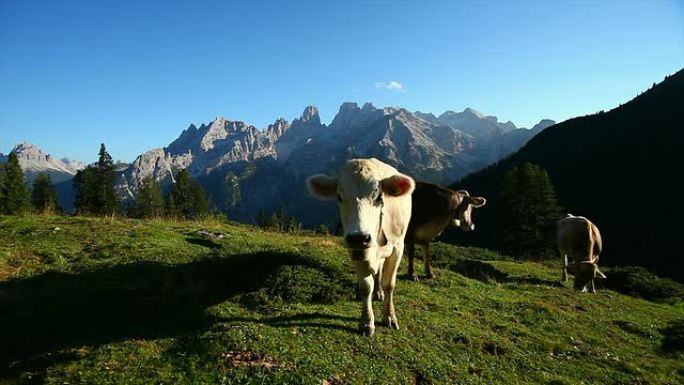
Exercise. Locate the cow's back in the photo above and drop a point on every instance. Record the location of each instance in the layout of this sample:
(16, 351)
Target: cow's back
(575, 238)
(431, 212)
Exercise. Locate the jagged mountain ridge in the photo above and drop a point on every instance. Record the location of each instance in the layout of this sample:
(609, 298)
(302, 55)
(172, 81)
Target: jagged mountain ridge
(34, 161)
(245, 169)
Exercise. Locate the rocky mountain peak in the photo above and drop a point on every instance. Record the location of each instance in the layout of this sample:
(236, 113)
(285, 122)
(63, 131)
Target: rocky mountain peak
(543, 124)
(350, 115)
(348, 106)
(34, 161)
(191, 128)
(278, 127)
(368, 107)
(508, 126)
(428, 117)
(218, 124)
(474, 112)
(310, 115)
(216, 131)
(28, 151)
(74, 164)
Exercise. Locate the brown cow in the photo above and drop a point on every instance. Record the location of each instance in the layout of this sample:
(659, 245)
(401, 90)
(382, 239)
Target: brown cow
(434, 208)
(580, 239)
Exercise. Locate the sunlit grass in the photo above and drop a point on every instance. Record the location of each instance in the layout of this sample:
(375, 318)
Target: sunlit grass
(87, 300)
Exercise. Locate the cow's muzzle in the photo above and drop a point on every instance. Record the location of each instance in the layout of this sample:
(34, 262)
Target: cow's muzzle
(358, 254)
(358, 240)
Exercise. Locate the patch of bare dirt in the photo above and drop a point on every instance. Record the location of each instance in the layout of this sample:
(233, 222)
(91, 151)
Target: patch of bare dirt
(238, 359)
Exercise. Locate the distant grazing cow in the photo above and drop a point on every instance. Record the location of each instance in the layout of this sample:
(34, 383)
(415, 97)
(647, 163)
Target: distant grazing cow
(434, 208)
(374, 200)
(581, 240)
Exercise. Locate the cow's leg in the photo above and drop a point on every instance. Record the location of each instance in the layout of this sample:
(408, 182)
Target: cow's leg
(367, 324)
(377, 289)
(411, 251)
(389, 281)
(592, 288)
(426, 261)
(564, 270)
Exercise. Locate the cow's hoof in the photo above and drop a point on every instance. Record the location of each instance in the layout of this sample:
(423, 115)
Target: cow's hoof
(368, 330)
(430, 275)
(413, 277)
(392, 323)
(379, 295)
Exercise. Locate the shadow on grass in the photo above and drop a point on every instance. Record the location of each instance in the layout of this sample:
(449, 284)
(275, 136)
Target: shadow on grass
(486, 272)
(146, 300)
(673, 338)
(314, 319)
(203, 242)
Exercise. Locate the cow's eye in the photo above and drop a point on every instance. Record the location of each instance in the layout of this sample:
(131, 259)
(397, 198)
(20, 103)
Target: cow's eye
(378, 200)
(339, 198)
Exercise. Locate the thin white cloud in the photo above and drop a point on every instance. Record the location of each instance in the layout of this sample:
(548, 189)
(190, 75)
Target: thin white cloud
(392, 85)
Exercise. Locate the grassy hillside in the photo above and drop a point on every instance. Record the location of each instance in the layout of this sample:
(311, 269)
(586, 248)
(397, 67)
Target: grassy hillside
(87, 300)
(616, 168)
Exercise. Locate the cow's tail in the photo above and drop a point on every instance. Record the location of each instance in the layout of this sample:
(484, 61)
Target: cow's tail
(597, 242)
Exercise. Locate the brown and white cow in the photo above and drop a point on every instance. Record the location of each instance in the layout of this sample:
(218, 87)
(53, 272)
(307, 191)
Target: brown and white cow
(434, 208)
(374, 201)
(580, 240)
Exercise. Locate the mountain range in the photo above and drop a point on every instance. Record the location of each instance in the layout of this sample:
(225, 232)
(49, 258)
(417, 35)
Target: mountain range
(245, 170)
(34, 161)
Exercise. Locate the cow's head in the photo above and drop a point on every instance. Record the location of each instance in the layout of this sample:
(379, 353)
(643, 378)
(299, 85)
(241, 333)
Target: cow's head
(463, 214)
(585, 272)
(361, 199)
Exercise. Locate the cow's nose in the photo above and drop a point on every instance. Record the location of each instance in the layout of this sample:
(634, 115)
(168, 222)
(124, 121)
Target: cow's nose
(358, 240)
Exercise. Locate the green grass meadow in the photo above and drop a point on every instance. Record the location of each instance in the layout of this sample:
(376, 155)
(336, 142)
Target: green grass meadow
(124, 301)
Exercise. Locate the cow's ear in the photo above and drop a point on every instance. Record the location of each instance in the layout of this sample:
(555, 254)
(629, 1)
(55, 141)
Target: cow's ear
(397, 185)
(322, 186)
(463, 192)
(477, 201)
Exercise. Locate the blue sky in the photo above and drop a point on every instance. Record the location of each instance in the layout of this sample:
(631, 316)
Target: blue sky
(134, 74)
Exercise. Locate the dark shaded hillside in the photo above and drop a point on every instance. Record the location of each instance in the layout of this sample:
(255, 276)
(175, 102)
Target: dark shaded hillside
(620, 168)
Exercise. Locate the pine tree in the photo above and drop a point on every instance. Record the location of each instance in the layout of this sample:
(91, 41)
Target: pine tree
(274, 222)
(282, 221)
(2, 183)
(180, 195)
(187, 198)
(15, 195)
(43, 195)
(106, 200)
(94, 187)
(527, 212)
(170, 208)
(261, 219)
(85, 186)
(149, 202)
(201, 206)
(322, 229)
(293, 225)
